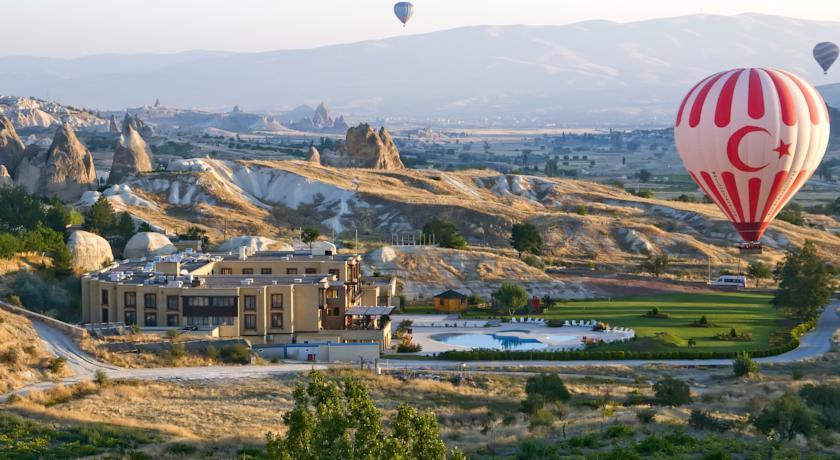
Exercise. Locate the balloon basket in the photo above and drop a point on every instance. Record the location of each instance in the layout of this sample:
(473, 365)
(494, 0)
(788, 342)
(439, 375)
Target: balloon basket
(747, 249)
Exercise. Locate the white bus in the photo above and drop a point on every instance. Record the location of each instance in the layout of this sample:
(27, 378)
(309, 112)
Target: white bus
(731, 280)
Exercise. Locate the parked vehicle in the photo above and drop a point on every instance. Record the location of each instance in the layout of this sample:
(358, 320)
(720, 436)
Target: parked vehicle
(731, 280)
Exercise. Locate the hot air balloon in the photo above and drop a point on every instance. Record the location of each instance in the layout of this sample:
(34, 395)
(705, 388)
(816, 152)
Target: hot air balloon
(404, 11)
(751, 138)
(826, 53)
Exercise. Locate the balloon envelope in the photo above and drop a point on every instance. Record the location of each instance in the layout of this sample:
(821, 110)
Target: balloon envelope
(751, 138)
(826, 53)
(404, 11)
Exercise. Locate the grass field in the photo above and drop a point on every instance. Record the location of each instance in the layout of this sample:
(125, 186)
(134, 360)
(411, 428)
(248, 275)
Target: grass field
(747, 313)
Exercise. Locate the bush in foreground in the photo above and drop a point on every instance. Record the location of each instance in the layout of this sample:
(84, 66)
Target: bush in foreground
(743, 365)
(672, 392)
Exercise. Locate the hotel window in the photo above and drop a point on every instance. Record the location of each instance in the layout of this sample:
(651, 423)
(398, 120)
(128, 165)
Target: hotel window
(227, 271)
(277, 301)
(130, 318)
(310, 271)
(172, 320)
(150, 301)
(250, 302)
(333, 311)
(150, 320)
(334, 272)
(332, 293)
(247, 271)
(265, 271)
(198, 301)
(251, 322)
(172, 302)
(105, 297)
(130, 299)
(291, 271)
(224, 301)
(277, 320)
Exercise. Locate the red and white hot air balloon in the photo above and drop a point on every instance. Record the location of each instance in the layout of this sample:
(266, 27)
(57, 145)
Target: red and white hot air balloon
(751, 138)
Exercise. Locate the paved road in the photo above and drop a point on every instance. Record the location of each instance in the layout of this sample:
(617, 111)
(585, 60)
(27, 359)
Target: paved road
(812, 345)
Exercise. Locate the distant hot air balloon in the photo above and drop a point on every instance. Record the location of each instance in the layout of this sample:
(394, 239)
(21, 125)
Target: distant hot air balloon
(826, 53)
(751, 138)
(404, 11)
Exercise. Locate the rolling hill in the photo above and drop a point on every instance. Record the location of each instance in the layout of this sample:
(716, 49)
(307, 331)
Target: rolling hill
(588, 73)
(274, 198)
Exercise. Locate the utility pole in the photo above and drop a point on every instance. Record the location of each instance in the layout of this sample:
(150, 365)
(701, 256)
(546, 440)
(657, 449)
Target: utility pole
(710, 269)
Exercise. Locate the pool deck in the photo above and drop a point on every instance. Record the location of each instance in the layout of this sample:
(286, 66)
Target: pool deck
(555, 338)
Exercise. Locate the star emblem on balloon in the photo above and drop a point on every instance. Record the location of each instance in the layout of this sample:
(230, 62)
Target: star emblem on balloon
(783, 149)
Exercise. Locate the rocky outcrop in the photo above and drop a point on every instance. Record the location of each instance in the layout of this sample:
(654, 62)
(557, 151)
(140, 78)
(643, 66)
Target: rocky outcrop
(314, 155)
(112, 125)
(148, 244)
(131, 156)
(64, 171)
(363, 147)
(321, 120)
(255, 243)
(90, 251)
(139, 125)
(11, 147)
(5, 178)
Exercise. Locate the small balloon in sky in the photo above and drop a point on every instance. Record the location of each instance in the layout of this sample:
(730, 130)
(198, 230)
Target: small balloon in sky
(404, 11)
(826, 53)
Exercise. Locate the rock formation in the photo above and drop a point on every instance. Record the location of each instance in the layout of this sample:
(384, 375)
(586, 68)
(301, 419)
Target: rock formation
(148, 244)
(5, 178)
(314, 155)
(321, 120)
(112, 125)
(65, 170)
(90, 251)
(256, 243)
(363, 147)
(11, 147)
(139, 125)
(131, 156)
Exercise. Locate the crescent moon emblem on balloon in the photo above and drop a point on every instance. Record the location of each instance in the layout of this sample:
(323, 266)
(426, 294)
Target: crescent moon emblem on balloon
(733, 148)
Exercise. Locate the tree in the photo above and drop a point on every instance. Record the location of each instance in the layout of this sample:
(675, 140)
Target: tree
(526, 237)
(194, 233)
(645, 175)
(655, 264)
(100, 217)
(787, 417)
(62, 260)
(309, 235)
(329, 420)
(510, 297)
(58, 217)
(19, 210)
(444, 233)
(543, 389)
(792, 214)
(759, 271)
(672, 392)
(806, 282)
(144, 227)
(124, 227)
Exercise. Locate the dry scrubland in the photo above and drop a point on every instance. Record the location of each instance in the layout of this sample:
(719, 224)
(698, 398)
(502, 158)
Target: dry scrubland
(23, 358)
(216, 418)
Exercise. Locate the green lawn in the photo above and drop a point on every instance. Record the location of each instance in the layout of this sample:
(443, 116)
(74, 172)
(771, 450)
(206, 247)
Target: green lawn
(419, 310)
(744, 311)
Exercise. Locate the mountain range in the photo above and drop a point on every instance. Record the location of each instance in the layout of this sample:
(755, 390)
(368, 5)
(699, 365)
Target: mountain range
(588, 73)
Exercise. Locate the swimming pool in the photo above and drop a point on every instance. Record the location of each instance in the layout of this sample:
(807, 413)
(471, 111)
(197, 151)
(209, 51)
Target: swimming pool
(490, 341)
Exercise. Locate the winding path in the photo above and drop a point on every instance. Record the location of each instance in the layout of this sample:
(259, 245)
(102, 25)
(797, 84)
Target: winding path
(812, 345)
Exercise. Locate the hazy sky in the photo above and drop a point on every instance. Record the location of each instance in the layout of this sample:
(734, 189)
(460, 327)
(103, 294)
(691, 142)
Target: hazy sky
(70, 28)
